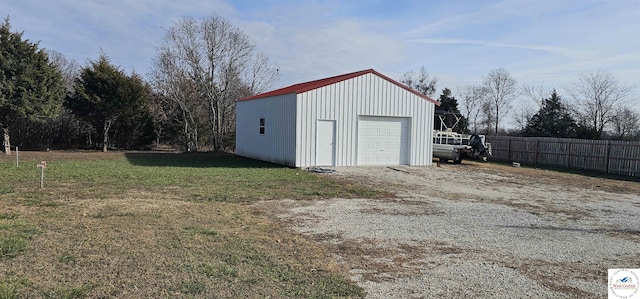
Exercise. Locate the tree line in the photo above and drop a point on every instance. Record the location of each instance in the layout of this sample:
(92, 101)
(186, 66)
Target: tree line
(202, 66)
(596, 106)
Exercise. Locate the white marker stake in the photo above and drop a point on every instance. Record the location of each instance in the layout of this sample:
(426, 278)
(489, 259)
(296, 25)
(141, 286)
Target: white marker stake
(42, 166)
(17, 156)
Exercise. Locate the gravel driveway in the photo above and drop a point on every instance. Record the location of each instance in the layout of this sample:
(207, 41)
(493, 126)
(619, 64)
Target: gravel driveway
(476, 231)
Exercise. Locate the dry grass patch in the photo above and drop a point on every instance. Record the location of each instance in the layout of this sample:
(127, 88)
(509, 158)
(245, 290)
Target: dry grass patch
(377, 260)
(557, 276)
(146, 247)
(154, 229)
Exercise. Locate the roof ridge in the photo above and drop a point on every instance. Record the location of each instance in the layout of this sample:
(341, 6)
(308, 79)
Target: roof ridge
(354, 74)
(310, 85)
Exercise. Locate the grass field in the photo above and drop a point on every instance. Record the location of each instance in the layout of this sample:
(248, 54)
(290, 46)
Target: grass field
(159, 225)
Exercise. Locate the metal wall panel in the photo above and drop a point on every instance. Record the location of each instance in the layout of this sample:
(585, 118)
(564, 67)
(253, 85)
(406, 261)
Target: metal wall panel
(278, 143)
(366, 95)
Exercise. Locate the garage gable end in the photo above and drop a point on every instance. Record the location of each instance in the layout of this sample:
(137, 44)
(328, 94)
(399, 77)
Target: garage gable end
(376, 122)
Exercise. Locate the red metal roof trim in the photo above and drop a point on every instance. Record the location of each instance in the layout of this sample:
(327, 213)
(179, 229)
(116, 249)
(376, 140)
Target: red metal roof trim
(303, 87)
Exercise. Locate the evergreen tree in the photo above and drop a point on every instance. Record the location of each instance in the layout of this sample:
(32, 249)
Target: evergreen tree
(31, 87)
(104, 95)
(449, 110)
(552, 120)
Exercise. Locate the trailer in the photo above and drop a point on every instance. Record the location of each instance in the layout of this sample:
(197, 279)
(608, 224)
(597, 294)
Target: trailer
(448, 152)
(452, 146)
(449, 145)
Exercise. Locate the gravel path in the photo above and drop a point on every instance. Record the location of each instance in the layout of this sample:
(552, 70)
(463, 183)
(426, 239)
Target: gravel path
(477, 231)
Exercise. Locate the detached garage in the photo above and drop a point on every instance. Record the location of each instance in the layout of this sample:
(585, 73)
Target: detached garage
(361, 118)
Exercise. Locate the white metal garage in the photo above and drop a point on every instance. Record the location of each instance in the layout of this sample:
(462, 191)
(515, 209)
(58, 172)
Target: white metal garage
(383, 140)
(361, 118)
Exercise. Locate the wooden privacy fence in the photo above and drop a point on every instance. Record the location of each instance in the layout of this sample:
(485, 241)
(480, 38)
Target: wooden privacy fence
(617, 157)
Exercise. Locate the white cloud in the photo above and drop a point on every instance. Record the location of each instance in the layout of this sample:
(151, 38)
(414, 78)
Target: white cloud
(338, 48)
(573, 53)
(127, 31)
(309, 42)
(459, 41)
(475, 15)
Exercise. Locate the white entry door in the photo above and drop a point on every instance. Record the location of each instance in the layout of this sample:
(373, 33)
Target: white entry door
(383, 140)
(326, 143)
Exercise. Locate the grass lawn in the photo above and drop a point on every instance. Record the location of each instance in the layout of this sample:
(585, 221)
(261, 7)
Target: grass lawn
(159, 225)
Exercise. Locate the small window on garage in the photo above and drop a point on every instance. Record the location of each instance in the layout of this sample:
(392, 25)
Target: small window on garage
(262, 126)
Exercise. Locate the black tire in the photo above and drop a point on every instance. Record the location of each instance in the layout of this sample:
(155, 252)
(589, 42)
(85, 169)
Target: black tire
(457, 161)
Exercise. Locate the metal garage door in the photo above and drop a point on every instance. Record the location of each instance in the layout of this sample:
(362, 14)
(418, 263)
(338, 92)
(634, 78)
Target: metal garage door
(383, 140)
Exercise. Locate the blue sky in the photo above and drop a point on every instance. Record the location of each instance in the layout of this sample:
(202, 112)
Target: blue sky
(537, 41)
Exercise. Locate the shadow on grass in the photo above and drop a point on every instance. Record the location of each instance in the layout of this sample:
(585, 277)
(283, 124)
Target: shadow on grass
(197, 160)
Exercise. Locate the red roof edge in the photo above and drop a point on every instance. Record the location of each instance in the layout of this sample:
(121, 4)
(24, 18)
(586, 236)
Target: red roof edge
(306, 86)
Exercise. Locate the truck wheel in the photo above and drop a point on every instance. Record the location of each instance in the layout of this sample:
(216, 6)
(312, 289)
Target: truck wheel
(457, 161)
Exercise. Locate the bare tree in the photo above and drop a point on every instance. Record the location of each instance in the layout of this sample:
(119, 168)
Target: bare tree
(487, 117)
(501, 90)
(625, 122)
(421, 81)
(472, 97)
(598, 94)
(536, 93)
(70, 69)
(162, 110)
(533, 97)
(173, 84)
(523, 113)
(210, 63)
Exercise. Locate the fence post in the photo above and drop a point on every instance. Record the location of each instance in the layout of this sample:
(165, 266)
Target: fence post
(569, 154)
(535, 153)
(606, 156)
(508, 149)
